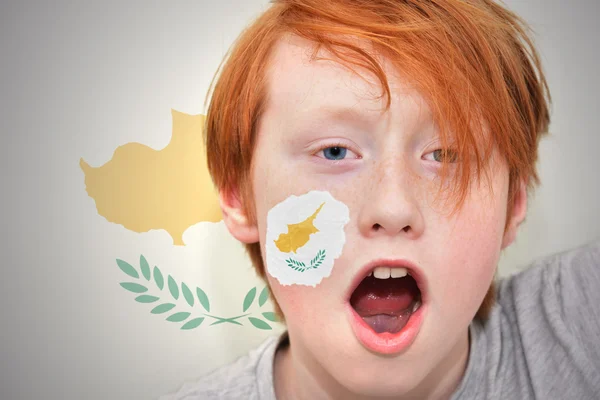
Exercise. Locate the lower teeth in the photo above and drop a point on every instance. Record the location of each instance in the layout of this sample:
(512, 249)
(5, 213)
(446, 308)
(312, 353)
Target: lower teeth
(416, 306)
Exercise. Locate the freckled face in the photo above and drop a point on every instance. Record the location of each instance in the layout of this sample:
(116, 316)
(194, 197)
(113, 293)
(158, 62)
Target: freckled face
(324, 129)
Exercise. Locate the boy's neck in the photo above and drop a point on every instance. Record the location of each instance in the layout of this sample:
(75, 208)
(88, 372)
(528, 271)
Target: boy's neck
(294, 379)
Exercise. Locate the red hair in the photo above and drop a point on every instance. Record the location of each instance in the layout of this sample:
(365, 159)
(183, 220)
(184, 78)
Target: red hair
(472, 61)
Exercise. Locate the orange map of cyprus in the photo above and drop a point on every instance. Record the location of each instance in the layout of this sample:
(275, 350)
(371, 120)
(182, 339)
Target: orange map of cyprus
(298, 234)
(171, 189)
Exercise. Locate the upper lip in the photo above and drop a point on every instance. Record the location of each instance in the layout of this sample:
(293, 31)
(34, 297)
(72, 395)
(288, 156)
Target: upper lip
(410, 266)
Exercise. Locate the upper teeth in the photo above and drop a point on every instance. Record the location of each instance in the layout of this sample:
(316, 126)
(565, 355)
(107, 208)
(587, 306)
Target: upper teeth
(387, 272)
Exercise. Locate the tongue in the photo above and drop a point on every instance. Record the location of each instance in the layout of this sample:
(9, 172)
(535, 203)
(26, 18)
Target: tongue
(385, 304)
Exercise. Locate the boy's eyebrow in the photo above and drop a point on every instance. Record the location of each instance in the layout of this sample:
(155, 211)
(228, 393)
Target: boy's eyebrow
(346, 114)
(342, 112)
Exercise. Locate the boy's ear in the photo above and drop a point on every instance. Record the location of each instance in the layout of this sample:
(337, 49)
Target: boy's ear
(517, 211)
(236, 220)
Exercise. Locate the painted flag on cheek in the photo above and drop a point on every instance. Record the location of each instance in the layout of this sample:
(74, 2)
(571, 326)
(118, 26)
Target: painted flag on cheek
(305, 234)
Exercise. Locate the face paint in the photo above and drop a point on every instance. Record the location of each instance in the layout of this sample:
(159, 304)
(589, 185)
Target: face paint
(305, 234)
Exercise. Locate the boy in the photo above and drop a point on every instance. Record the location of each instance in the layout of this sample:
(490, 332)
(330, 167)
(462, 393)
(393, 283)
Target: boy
(413, 126)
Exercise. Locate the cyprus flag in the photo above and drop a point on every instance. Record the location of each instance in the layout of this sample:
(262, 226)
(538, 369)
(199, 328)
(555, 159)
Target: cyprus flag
(305, 234)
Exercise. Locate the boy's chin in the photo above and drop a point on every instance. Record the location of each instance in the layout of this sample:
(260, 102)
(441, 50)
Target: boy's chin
(374, 378)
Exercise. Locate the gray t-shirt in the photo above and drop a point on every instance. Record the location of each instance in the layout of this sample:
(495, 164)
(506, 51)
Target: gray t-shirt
(542, 341)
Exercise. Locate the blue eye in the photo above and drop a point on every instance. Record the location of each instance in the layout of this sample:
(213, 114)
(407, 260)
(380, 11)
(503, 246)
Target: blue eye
(335, 153)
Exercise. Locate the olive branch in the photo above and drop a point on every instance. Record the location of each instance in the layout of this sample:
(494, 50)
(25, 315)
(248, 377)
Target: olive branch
(299, 266)
(169, 305)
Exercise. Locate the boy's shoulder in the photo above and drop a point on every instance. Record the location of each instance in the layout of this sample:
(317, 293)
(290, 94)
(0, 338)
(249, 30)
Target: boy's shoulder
(569, 274)
(562, 287)
(248, 377)
(541, 340)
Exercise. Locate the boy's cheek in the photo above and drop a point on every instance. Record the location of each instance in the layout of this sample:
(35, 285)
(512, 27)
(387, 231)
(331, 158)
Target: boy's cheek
(298, 303)
(275, 179)
(304, 236)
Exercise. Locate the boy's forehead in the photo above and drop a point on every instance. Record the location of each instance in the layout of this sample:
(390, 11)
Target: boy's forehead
(299, 80)
(304, 89)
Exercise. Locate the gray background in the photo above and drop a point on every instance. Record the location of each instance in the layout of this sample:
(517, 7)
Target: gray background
(78, 79)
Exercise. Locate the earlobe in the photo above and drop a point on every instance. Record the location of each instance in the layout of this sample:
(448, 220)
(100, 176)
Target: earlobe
(237, 221)
(518, 211)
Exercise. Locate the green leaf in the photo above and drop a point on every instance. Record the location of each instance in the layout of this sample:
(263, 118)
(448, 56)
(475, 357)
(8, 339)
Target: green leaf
(178, 317)
(264, 296)
(271, 316)
(318, 260)
(189, 297)
(259, 323)
(158, 278)
(203, 299)
(163, 308)
(314, 260)
(134, 287)
(173, 288)
(127, 268)
(249, 298)
(146, 299)
(145, 267)
(194, 323)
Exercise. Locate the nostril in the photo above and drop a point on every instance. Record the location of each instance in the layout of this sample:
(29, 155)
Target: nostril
(376, 227)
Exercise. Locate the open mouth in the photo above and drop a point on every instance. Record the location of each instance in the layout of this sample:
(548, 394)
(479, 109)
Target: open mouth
(386, 299)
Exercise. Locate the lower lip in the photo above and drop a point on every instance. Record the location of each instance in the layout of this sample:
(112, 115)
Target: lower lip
(386, 343)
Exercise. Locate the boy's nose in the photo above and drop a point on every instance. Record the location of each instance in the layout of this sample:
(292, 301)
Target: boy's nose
(391, 206)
